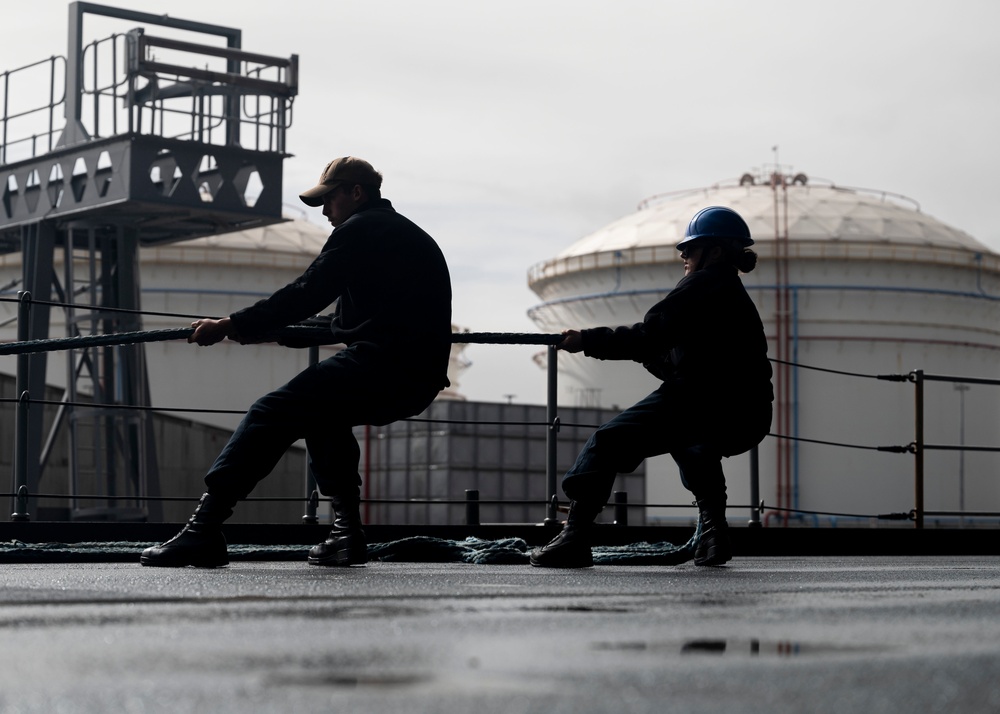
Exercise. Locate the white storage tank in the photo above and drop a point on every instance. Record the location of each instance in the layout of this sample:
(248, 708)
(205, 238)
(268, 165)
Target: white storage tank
(851, 280)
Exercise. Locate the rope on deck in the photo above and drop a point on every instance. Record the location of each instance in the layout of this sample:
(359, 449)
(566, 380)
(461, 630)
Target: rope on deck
(417, 549)
(300, 335)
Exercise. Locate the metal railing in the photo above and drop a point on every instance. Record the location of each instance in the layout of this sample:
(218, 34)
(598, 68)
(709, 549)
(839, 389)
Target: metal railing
(118, 85)
(27, 131)
(918, 447)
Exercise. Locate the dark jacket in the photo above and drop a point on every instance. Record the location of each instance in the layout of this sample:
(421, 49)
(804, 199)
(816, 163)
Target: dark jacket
(392, 289)
(705, 340)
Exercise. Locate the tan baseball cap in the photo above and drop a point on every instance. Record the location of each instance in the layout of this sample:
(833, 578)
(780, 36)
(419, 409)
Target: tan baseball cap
(346, 169)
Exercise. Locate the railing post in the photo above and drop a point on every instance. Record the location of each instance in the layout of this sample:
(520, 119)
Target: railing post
(550, 441)
(472, 507)
(20, 501)
(917, 376)
(312, 497)
(621, 508)
(754, 488)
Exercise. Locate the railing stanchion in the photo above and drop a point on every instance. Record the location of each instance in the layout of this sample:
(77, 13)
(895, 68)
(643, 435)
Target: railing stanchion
(621, 508)
(20, 501)
(754, 488)
(312, 497)
(917, 376)
(550, 441)
(472, 507)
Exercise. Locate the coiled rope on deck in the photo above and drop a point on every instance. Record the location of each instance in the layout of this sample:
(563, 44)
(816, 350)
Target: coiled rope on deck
(416, 549)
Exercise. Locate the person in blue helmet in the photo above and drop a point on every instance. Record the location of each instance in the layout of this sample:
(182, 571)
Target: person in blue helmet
(706, 342)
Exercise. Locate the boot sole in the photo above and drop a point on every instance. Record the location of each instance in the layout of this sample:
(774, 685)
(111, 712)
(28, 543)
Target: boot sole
(713, 559)
(564, 564)
(152, 562)
(342, 559)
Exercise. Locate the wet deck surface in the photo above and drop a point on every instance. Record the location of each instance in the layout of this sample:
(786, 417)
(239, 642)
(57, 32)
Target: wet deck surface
(913, 634)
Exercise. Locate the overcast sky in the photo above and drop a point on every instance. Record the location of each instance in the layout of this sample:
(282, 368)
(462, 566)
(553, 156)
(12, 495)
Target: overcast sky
(510, 129)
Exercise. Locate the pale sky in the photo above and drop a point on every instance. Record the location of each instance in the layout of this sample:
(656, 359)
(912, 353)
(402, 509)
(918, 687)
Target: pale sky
(508, 130)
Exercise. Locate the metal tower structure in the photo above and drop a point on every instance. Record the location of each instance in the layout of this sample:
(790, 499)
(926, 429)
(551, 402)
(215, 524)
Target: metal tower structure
(140, 140)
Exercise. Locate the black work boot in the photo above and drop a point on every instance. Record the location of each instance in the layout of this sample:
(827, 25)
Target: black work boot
(346, 544)
(571, 548)
(713, 547)
(200, 543)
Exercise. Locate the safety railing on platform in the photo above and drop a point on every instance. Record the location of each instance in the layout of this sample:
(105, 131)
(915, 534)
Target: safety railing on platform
(123, 84)
(24, 348)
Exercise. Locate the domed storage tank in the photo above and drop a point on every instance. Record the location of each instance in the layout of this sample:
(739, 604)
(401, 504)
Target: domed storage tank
(211, 276)
(849, 280)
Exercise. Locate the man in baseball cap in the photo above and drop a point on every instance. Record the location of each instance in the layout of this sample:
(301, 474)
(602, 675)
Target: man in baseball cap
(345, 170)
(390, 283)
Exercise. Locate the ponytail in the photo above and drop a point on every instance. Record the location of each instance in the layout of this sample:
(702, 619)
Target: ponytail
(745, 261)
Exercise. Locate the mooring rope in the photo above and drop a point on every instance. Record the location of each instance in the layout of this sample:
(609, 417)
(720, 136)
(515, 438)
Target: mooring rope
(300, 334)
(506, 338)
(80, 341)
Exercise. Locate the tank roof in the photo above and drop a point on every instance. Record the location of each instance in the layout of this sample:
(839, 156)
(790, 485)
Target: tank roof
(816, 212)
(289, 236)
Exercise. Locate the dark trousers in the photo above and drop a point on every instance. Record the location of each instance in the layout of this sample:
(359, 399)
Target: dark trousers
(320, 405)
(695, 434)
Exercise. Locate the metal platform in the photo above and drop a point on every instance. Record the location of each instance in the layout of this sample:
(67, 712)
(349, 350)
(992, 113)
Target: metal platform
(165, 190)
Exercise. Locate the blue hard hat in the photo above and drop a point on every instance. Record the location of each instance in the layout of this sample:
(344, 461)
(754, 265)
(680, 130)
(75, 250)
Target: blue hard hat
(717, 222)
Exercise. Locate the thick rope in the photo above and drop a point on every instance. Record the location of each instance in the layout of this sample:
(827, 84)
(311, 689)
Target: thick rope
(302, 336)
(418, 549)
(506, 338)
(112, 338)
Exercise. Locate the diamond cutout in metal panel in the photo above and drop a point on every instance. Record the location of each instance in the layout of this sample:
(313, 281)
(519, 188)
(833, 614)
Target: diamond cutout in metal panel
(32, 189)
(249, 185)
(9, 195)
(164, 173)
(104, 173)
(54, 187)
(207, 178)
(78, 182)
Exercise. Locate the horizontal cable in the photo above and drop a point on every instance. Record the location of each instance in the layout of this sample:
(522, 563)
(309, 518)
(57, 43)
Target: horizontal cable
(414, 501)
(886, 377)
(908, 516)
(100, 406)
(104, 308)
(949, 447)
(908, 449)
(960, 380)
(475, 422)
(969, 514)
(281, 499)
(315, 499)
